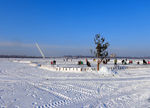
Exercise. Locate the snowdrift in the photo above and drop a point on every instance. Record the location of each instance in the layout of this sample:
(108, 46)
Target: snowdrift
(106, 71)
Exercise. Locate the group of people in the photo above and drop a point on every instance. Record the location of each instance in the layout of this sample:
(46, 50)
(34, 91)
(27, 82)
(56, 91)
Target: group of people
(124, 62)
(53, 62)
(105, 61)
(79, 63)
(146, 62)
(87, 63)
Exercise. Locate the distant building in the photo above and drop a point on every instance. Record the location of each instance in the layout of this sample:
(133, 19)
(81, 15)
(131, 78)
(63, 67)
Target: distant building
(113, 55)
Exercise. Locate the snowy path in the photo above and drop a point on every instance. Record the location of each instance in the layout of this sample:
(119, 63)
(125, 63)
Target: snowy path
(24, 86)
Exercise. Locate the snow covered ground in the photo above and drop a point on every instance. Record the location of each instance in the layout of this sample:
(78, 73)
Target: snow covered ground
(26, 86)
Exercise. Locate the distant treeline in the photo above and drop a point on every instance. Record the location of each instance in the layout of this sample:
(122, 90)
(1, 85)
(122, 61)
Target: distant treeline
(133, 57)
(17, 56)
(108, 57)
(69, 56)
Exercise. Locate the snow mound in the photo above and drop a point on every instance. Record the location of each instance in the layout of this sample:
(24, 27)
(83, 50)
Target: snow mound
(105, 71)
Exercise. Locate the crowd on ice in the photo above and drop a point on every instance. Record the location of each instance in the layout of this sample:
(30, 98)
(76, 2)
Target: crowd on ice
(125, 62)
(105, 61)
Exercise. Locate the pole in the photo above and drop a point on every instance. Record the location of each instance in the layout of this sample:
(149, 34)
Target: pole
(40, 50)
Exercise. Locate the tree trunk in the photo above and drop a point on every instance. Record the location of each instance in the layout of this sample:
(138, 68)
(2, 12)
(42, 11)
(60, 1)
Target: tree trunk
(98, 63)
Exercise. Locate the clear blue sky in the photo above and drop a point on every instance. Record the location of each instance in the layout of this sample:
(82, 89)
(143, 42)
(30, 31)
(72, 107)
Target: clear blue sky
(65, 27)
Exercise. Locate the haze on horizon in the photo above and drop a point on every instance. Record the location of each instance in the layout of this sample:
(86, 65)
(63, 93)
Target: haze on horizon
(68, 27)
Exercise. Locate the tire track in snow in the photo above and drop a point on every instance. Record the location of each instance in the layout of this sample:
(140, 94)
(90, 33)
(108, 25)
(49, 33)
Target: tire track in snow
(73, 88)
(124, 97)
(85, 94)
(63, 102)
(50, 91)
(104, 80)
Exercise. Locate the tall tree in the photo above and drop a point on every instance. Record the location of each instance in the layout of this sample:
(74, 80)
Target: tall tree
(101, 48)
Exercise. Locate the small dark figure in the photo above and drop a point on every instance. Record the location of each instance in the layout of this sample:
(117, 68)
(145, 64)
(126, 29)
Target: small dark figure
(80, 62)
(104, 62)
(115, 62)
(130, 62)
(51, 62)
(108, 60)
(88, 63)
(144, 62)
(123, 62)
(138, 62)
(94, 59)
(54, 62)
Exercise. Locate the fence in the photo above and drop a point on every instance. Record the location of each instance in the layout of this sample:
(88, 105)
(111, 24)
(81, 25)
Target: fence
(71, 69)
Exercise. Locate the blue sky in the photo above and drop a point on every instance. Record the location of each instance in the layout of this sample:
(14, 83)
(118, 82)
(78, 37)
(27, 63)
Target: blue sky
(67, 27)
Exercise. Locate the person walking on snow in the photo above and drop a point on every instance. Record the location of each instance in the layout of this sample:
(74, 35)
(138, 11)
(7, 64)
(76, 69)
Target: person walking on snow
(115, 62)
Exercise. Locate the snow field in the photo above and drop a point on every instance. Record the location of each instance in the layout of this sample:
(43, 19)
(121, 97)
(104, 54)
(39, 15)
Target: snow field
(25, 86)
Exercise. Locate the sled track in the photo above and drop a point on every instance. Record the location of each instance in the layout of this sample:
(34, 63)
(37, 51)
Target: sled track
(104, 80)
(62, 102)
(119, 97)
(73, 88)
(85, 94)
(50, 91)
(66, 100)
(125, 97)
